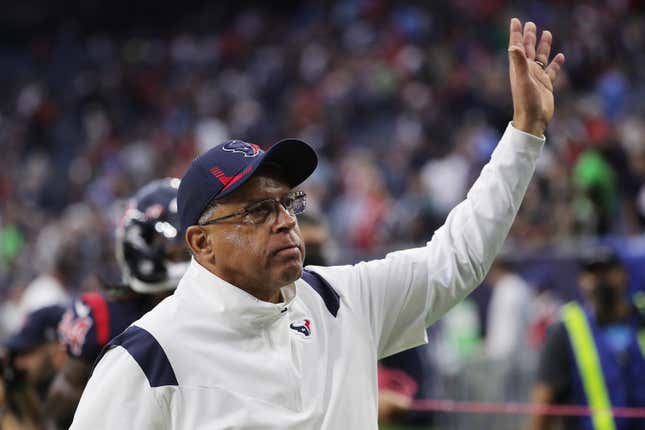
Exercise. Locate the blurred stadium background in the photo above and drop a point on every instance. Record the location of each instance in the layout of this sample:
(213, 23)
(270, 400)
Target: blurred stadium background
(404, 102)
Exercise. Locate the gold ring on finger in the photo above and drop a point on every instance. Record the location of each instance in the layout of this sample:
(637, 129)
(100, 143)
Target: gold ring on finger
(541, 64)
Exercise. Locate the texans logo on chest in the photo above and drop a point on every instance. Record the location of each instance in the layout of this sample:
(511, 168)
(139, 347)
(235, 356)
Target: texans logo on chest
(302, 327)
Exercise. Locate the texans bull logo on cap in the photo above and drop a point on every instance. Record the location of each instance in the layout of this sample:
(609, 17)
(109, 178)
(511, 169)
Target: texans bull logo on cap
(241, 147)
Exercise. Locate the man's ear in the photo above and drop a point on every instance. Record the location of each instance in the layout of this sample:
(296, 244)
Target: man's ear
(197, 241)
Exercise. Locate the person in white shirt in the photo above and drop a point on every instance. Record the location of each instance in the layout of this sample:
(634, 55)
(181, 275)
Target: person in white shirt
(510, 313)
(45, 290)
(51, 287)
(250, 340)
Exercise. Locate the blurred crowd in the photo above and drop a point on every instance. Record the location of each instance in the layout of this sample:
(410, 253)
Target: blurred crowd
(404, 103)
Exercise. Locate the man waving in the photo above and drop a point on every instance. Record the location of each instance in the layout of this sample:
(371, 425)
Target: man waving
(251, 340)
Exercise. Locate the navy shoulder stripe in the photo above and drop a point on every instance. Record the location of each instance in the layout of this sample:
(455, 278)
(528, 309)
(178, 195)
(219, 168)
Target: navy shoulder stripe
(150, 356)
(322, 287)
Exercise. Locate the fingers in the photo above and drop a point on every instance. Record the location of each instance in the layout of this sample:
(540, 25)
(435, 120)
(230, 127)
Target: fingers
(516, 53)
(530, 37)
(521, 48)
(518, 60)
(544, 48)
(515, 34)
(554, 68)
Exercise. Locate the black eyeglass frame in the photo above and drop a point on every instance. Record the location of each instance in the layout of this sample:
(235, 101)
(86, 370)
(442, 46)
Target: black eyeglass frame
(283, 201)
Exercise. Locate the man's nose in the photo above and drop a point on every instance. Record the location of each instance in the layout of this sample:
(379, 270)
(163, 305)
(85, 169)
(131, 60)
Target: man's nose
(284, 220)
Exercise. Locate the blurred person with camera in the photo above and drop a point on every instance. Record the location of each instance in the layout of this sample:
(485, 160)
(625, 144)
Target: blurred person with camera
(30, 359)
(151, 259)
(595, 356)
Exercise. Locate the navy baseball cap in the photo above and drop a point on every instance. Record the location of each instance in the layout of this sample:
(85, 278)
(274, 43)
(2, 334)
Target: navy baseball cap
(225, 167)
(39, 328)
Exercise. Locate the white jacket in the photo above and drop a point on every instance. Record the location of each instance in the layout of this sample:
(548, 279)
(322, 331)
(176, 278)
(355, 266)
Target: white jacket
(213, 357)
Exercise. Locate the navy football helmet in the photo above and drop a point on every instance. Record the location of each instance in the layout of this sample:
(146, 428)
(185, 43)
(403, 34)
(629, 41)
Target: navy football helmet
(150, 251)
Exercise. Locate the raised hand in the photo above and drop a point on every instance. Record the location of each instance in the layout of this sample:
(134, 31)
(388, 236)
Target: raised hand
(532, 77)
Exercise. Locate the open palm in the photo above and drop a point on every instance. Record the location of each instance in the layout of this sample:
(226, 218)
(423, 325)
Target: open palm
(532, 77)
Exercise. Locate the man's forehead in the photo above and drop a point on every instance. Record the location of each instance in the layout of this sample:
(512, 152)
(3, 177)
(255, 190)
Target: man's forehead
(263, 184)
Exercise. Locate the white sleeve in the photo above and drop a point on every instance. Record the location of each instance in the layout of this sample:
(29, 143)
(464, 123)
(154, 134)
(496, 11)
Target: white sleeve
(118, 396)
(401, 295)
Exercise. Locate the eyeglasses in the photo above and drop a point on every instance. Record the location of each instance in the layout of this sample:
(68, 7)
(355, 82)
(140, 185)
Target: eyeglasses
(259, 212)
